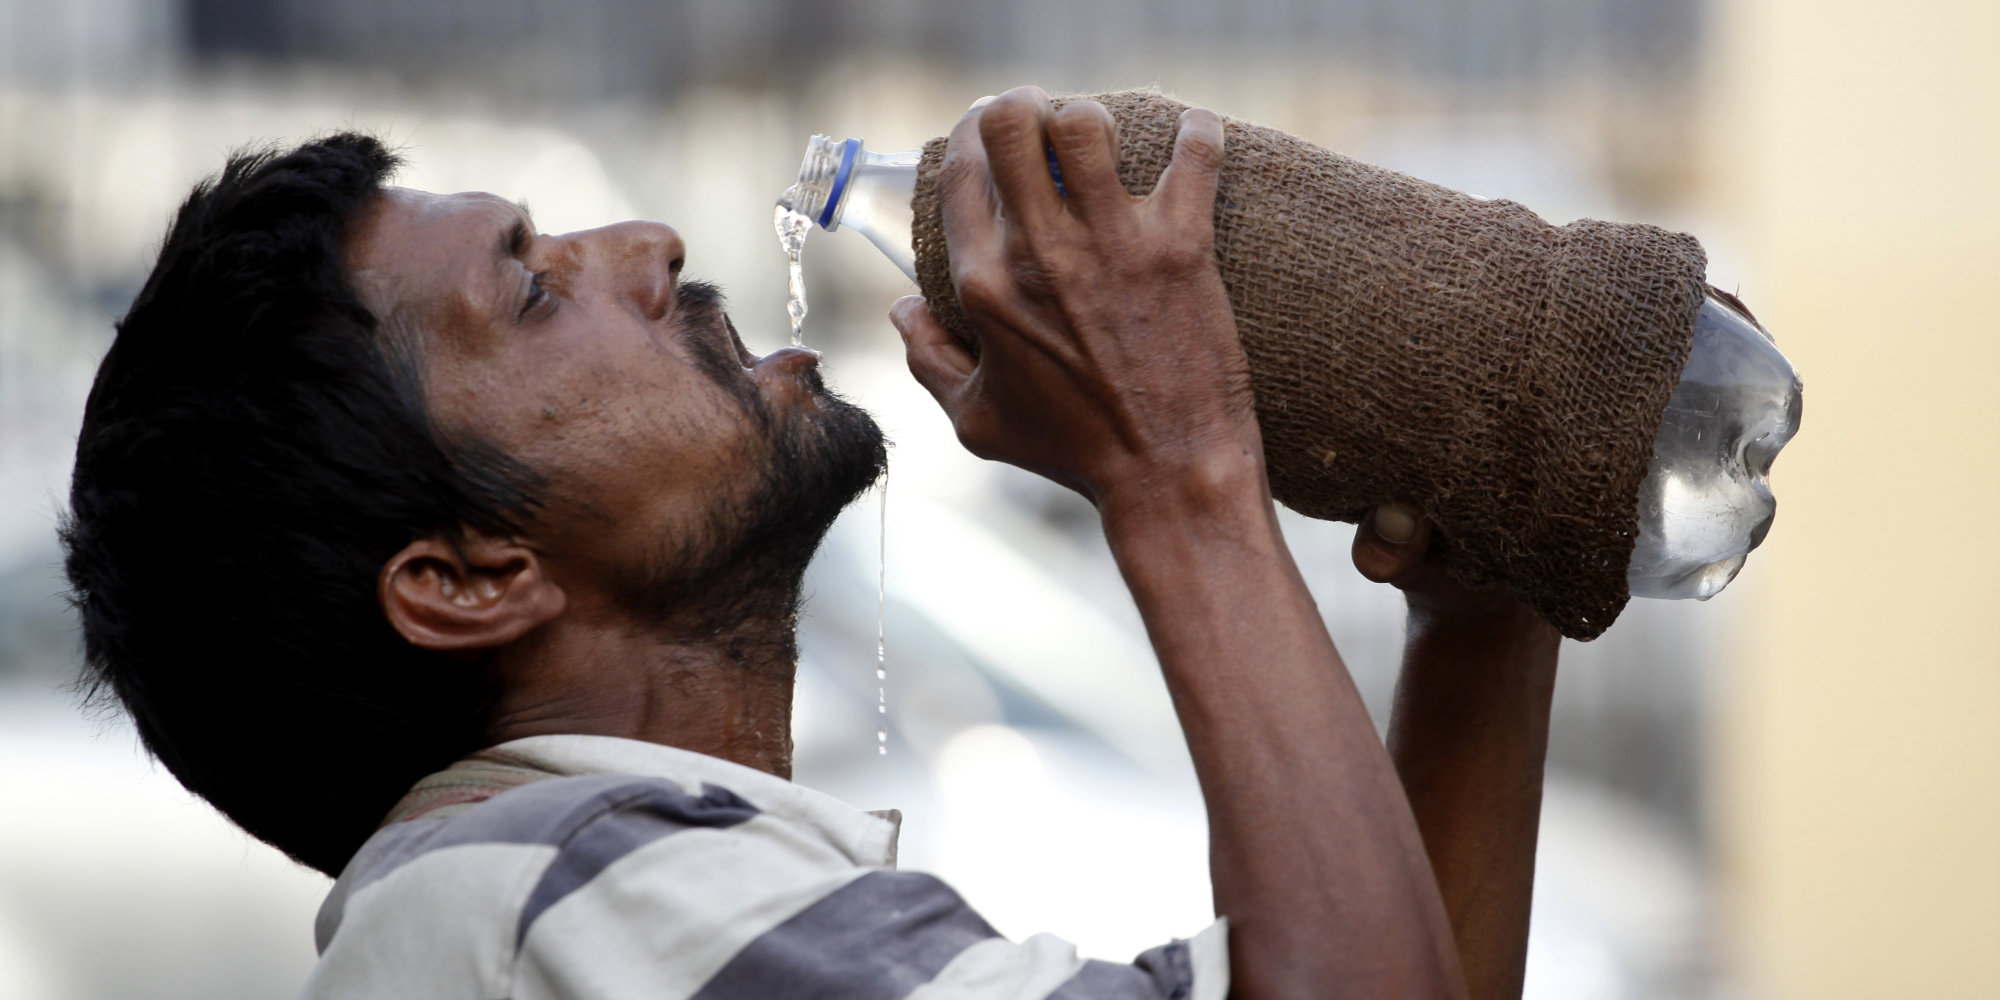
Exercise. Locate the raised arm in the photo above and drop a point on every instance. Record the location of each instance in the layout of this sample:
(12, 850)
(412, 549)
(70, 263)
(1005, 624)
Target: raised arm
(1469, 733)
(1109, 362)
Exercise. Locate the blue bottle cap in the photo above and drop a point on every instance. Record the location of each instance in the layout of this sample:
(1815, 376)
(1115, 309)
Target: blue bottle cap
(848, 151)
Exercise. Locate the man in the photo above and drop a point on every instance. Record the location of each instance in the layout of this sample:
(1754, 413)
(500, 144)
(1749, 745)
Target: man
(462, 561)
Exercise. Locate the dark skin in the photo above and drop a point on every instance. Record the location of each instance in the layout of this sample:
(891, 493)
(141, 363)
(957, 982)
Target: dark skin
(585, 374)
(1109, 362)
(1469, 734)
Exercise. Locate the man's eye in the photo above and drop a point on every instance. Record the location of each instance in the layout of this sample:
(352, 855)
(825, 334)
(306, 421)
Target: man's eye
(536, 293)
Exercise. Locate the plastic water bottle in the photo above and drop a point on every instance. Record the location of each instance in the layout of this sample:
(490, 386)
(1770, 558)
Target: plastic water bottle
(1706, 501)
(841, 184)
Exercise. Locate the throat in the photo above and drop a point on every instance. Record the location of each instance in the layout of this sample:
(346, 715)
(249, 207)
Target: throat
(727, 694)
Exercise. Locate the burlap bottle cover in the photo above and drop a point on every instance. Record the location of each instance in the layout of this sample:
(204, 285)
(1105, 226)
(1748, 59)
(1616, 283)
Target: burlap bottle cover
(1414, 344)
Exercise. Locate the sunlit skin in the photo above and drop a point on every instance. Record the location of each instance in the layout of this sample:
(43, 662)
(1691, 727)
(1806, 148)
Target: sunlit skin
(1108, 362)
(585, 374)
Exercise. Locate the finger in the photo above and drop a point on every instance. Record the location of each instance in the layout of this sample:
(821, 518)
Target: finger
(1085, 140)
(1390, 543)
(1395, 525)
(1015, 132)
(965, 190)
(941, 365)
(1188, 185)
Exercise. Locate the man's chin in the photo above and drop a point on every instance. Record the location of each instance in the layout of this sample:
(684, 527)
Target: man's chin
(851, 452)
(750, 563)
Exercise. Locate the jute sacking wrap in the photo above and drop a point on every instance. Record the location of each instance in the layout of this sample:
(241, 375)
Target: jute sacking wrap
(1413, 344)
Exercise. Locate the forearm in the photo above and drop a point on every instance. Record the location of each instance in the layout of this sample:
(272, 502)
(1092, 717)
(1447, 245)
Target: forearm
(1469, 735)
(1108, 361)
(1315, 857)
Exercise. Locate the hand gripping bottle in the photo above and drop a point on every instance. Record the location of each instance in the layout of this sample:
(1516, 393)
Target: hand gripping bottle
(1706, 499)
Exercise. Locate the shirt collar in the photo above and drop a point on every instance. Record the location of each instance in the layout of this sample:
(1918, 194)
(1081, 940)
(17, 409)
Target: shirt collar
(867, 838)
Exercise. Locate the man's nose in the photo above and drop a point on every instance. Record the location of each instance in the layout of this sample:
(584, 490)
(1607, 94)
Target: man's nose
(645, 260)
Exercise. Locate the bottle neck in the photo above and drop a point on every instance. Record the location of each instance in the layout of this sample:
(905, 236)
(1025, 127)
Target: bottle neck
(836, 195)
(843, 185)
(824, 177)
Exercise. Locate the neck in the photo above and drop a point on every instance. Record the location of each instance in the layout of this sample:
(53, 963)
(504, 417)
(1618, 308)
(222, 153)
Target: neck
(726, 692)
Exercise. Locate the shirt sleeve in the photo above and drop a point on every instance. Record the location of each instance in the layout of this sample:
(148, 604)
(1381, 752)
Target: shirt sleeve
(758, 910)
(1046, 966)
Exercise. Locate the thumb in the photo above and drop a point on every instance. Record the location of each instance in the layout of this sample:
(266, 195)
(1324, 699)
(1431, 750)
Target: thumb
(1390, 542)
(939, 362)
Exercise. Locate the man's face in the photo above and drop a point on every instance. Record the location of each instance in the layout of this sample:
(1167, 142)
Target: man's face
(679, 466)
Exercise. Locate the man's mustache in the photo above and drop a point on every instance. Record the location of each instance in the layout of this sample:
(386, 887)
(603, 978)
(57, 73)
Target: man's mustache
(697, 298)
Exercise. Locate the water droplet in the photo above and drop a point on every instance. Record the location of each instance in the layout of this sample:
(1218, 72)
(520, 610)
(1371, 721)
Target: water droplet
(881, 607)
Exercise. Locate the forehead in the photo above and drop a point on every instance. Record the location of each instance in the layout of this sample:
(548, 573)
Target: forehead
(414, 249)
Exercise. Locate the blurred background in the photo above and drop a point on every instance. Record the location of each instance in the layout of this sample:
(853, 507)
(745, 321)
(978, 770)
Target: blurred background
(1791, 791)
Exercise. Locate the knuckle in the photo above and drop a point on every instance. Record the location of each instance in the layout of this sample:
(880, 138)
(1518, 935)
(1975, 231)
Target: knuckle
(982, 291)
(1027, 95)
(1038, 269)
(976, 432)
(1081, 121)
(1198, 149)
(1187, 257)
(1007, 116)
(961, 172)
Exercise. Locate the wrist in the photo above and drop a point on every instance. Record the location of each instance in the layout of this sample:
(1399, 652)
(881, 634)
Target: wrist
(1494, 614)
(1508, 641)
(1214, 487)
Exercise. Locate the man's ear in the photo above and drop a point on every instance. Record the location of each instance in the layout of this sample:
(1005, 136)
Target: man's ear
(477, 594)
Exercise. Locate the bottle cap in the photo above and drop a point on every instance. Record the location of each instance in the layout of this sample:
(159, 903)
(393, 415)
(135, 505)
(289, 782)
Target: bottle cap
(848, 151)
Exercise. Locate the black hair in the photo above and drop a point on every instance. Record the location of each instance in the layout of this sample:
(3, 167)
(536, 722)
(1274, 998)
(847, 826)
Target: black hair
(252, 452)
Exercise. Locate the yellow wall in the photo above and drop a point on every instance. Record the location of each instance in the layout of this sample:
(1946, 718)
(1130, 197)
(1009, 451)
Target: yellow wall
(1860, 755)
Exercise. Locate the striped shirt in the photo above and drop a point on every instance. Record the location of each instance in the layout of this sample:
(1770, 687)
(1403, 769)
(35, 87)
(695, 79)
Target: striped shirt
(591, 867)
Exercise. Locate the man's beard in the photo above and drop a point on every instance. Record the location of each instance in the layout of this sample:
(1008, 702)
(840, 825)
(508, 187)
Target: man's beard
(742, 566)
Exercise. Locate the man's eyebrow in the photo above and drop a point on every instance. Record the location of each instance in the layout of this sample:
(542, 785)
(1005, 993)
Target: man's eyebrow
(515, 238)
